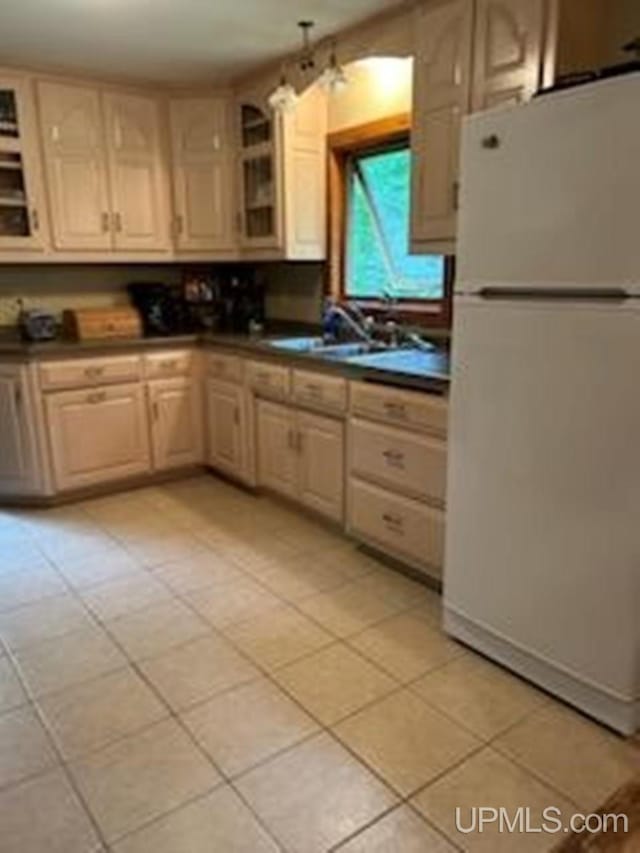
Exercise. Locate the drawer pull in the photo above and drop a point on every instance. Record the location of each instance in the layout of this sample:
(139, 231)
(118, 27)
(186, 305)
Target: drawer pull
(94, 372)
(396, 410)
(314, 390)
(395, 458)
(97, 397)
(394, 522)
(171, 364)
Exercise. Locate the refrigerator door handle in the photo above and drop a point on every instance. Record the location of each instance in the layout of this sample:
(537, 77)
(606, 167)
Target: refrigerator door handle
(613, 294)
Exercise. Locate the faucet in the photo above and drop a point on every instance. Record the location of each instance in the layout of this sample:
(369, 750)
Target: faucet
(361, 327)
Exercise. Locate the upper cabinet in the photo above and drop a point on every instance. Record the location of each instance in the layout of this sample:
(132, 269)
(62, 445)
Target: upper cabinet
(104, 169)
(442, 79)
(509, 49)
(260, 206)
(282, 174)
(203, 159)
(470, 55)
(22, 211)
(76, 166)
(137, 173)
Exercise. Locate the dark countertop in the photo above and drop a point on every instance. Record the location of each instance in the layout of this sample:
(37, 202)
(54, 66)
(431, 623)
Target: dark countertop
(426, 371)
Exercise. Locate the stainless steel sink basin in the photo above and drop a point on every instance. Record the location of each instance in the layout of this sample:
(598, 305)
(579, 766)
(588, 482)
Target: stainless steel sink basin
(316, 347)
(300, 344)
(344, 351)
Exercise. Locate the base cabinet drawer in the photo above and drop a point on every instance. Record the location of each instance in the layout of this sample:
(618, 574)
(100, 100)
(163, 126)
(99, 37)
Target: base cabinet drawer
(98, 435)
(400, 526)
(410, 409)
(320, 391)
(84, 372)
(269, 380)
(158, 365)
(229, 368)
(406, 462)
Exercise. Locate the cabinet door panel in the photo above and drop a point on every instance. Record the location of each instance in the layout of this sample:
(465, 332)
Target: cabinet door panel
(509, 43)
(203, 173)
(176, 419)
(136, 167)
(23, 220)
(76, 167)
(277, 457)
(226, 425)
(98, 435)
(17, 455)
(441, 97)
(321, 464)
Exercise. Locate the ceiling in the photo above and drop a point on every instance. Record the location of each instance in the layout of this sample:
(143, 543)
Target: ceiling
(166, 41)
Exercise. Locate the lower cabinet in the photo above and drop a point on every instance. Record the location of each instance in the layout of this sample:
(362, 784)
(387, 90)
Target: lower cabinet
(301, 455)
(18, 474)
(405, 528)
(98, 435)
(321, 464)
(176, 423)
(227, 429)
(277, 455)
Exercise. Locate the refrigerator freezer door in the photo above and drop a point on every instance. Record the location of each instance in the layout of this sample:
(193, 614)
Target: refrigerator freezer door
(543, 515)
(550, 192)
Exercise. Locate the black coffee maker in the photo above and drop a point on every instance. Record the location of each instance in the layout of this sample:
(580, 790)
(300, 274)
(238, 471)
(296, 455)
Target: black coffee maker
(162, 308)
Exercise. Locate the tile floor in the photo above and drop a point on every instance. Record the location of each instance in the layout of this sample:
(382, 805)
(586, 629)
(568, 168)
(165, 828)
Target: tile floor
(190, 668)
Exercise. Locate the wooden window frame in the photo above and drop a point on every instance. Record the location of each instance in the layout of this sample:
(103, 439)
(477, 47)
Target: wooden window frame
(343, 144)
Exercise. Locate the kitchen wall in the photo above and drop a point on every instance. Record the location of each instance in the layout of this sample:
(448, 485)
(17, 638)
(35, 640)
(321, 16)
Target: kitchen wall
(378, 87)
(60, 286)
(293, 291)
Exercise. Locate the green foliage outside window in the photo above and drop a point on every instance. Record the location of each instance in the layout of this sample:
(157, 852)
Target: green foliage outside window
(378, 262)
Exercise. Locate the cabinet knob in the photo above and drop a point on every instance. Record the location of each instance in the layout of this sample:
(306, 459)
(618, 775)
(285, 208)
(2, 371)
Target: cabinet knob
(105, 222)
(491, 141)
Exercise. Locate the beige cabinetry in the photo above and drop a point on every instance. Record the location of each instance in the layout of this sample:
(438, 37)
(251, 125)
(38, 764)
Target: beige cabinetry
(442, 74)
(137, 172)
(397, 463)
(301, 455)
(97, 435)
(18, 451)
(23, 219)
(203, 167)
(469, 55)
(176, 422)
(320, 449)
(227, 428)
(104, 167)
(76, 166)
(276, 445)
(509, 49)
(282, 177)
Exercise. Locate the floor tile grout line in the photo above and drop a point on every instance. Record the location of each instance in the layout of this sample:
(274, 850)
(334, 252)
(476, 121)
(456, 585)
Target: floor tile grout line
(344, 641)
(172, 715)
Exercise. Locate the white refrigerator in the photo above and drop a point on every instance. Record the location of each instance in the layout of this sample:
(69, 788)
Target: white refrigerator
(542, 561)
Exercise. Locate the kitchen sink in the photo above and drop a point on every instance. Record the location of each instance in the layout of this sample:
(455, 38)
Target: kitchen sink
(299, 344)
(316, 347)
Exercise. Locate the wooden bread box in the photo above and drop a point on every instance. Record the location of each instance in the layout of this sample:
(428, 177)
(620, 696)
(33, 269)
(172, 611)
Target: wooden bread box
(92, 324)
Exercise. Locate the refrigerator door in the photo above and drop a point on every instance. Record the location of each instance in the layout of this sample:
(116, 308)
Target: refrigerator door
(550, 192)
(543, 497)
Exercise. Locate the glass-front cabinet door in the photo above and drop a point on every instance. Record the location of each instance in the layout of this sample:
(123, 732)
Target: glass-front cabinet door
(258, 178)
(21, 209)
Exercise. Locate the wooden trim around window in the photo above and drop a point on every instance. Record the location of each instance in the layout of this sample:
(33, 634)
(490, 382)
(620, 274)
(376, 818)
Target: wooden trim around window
(341, 145)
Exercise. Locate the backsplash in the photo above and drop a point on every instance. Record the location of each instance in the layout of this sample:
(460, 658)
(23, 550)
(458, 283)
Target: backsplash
(60, 286)
(293, 290)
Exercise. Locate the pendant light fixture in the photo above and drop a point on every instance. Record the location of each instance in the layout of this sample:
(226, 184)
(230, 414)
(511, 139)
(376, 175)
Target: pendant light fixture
(284, 97)
(333, 78)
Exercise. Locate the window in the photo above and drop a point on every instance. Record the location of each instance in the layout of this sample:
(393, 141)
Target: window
(370, 176)
(378, 262)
